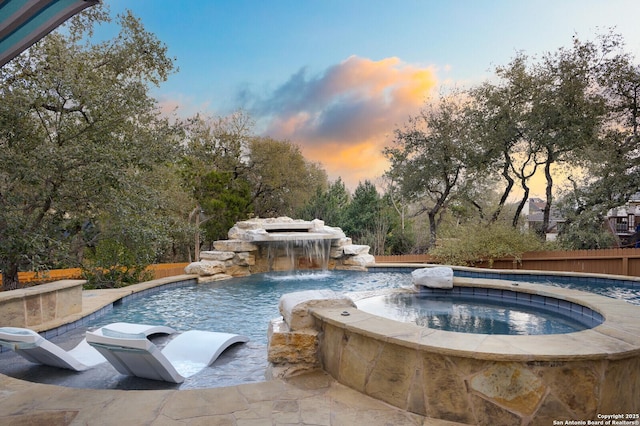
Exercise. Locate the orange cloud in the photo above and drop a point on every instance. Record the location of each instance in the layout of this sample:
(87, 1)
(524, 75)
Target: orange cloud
(353, 163)
(345, 116)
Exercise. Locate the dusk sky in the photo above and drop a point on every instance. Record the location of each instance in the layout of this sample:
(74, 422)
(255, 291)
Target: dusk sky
(337, 77)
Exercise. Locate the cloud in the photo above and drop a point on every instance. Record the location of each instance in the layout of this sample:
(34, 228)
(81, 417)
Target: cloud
(345, 116)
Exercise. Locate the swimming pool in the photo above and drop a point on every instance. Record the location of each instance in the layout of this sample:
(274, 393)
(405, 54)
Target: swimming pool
(242, 305)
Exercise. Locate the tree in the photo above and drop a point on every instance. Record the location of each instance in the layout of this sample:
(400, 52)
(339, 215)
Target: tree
(213, 169)
(75, 115)
(431, 162)
(216, 143)
(327, 204)
(610, 165)
(568, 110)
(224, 200)
(363, 212)
(500, 123)
(282, 179)
(372, 220)
(546, 113)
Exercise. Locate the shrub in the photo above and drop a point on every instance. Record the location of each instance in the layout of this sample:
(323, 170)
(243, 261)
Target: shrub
(474, 243)
(116, 265)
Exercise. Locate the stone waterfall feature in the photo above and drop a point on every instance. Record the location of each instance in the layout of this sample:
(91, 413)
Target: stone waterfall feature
(279, 244)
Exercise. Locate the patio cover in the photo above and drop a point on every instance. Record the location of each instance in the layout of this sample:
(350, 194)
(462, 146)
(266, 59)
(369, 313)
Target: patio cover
(23, 22)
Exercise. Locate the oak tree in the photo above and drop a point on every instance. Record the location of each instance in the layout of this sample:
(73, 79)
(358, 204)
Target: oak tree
(76, 123)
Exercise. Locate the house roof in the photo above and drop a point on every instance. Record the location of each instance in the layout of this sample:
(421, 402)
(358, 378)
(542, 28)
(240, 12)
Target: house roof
(624, 211)
(23, 22)
(536, 212)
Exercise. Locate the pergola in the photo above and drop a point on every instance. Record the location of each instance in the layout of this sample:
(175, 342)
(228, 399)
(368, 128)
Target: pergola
(23, 22)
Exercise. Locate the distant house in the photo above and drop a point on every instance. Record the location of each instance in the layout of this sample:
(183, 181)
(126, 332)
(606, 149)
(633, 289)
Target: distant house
(535, 217)
(624, 220)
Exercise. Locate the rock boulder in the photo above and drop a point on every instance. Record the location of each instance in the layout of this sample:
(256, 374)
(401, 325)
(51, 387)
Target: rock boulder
(436, 277)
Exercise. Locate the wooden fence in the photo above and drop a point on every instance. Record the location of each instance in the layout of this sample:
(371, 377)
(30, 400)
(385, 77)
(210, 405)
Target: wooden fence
(159, 271)
(617, 261)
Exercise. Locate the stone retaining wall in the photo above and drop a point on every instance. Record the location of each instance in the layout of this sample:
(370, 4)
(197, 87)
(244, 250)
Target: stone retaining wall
(32, 306)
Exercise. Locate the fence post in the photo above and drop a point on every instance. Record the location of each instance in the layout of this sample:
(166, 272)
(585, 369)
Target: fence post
(625, 264)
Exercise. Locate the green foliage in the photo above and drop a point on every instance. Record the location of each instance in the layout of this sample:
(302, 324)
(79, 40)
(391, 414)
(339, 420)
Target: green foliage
(116, 264)
(363, 212)
(366, 217)
(128, 237)
(473, 243)
(328, 205)
(588, 230)
(77, 125)
(581, 236)
(371, 220)
(224, 201)
(431, 161)
(282, 179)
(399, 241)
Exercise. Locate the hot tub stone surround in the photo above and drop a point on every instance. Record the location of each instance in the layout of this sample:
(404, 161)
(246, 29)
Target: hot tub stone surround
(247, 250)
(484, 379)
(293, 339)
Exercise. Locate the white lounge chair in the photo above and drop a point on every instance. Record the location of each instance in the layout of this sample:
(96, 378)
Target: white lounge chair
(37, 349)
(184, 356)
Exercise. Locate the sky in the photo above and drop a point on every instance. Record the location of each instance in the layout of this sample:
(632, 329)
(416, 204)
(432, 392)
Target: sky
(336, 77)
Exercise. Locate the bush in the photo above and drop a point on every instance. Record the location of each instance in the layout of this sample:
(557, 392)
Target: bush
(471, 244)
(116, 265)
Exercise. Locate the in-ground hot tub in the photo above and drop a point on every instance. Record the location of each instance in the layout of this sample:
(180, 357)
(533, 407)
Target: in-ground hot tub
(489, 379)
(483, 311)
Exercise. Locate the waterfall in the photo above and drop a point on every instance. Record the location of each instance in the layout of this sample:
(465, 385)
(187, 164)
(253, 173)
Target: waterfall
(299, 254)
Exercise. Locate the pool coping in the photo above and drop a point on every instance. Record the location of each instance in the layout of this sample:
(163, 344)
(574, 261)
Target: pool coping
(617, 337)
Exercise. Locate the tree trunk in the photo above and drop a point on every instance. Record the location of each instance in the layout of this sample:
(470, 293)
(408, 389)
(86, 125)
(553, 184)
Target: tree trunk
(523, 201)
(10, 279)
(507, 190)
(546, 218)
(433, 228)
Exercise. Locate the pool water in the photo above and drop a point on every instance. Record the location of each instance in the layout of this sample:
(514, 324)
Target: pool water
(623, 291)
(242, 305)
(469, 315)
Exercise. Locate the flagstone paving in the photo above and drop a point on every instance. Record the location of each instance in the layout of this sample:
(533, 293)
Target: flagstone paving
(312, 399)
